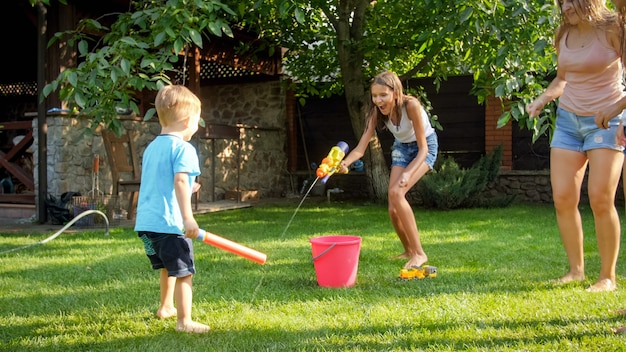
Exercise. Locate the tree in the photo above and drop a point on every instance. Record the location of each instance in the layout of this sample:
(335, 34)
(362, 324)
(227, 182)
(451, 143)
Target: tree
(338, 45)
(332, 46)
(139, 51)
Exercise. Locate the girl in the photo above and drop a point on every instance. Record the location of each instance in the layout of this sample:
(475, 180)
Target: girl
(413, 154)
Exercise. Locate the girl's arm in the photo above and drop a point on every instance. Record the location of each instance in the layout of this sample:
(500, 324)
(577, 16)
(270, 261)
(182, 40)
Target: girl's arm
(414, 112)
(359, 150)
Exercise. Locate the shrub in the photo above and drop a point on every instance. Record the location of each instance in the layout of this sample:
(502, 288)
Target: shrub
(449, 186)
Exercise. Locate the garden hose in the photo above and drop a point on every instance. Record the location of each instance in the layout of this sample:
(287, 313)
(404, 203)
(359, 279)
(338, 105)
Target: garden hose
(56, 234)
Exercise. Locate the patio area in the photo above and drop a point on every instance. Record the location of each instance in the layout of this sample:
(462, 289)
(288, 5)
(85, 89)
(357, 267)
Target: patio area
(25, 223)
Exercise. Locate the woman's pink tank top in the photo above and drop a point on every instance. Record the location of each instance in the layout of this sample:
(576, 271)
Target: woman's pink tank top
(594, 76)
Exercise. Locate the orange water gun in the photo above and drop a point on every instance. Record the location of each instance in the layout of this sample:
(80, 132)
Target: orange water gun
(330, 164)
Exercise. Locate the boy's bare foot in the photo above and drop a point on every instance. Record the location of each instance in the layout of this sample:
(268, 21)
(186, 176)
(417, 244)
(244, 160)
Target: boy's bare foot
(165, 313)
(400, 256)
(569, 277)
(621, 330)
(604, 285)
(621, 312)
(416, 260)
(193, 327)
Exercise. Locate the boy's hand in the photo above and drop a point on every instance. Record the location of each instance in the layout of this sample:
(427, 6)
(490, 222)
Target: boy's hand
(191, 228)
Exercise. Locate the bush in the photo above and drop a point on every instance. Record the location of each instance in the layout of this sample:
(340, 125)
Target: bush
(449, 186)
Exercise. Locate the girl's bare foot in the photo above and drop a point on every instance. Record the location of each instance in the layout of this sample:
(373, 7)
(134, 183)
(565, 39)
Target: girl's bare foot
(164, 313)
(416, 260)
(604, 285)
(193, 327)
(400, 256)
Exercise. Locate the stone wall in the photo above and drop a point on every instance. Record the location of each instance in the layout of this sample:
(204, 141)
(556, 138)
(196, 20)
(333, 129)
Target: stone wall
(257, 111)
(527, 186)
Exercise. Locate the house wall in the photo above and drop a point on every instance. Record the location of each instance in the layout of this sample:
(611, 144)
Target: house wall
(256, 111)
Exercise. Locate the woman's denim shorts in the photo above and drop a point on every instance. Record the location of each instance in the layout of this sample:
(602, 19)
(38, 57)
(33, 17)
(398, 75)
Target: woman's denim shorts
(403, 153)
(580, 133)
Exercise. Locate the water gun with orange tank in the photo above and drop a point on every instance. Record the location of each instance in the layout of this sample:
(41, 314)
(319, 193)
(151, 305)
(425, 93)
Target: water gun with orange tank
(330, 164)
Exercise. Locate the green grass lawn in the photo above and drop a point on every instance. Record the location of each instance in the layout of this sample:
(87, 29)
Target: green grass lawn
(84, 291)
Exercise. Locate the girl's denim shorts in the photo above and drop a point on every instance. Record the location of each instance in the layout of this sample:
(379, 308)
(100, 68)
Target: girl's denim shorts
(580, 133)
(403, 153)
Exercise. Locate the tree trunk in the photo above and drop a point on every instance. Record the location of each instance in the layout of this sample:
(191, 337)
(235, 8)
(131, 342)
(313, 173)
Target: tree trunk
(351, 60)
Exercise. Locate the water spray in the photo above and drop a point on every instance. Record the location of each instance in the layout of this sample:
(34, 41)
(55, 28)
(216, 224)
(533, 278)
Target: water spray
(330, 165)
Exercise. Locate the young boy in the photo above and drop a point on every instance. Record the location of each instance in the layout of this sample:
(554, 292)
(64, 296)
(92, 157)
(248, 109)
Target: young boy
(169, 167)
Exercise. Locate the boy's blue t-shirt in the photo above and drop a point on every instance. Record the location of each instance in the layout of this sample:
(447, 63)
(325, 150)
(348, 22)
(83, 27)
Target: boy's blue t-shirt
(157, 207)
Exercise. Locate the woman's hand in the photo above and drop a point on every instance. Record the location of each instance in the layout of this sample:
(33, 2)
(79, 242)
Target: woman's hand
(603, 117)
(534, 108)
(620, 137)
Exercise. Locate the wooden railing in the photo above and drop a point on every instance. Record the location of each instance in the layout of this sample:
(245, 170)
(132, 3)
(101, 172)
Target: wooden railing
(8, 163)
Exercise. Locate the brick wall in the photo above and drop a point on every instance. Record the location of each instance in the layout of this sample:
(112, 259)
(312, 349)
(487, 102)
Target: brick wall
(498, 136)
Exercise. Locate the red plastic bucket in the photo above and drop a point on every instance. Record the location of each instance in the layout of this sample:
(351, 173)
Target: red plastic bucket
(336, 260)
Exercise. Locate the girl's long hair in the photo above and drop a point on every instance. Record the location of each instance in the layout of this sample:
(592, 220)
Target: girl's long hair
(392, 81)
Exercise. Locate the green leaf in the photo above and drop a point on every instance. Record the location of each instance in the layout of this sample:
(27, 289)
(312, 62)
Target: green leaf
(72, 78)
(299, 15)
(178, 45)
(196, 37)
(466, 14)
(83, 47)
(80, 100)
(47, 89)
(125, 64)
(149, 114)
(159, 38)
(503, 119)
(215, 28)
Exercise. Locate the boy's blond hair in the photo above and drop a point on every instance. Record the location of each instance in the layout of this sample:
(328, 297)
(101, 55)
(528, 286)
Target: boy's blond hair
(174, 103)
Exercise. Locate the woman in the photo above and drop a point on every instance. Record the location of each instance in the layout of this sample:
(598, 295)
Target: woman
(413, 154)
(589, 79)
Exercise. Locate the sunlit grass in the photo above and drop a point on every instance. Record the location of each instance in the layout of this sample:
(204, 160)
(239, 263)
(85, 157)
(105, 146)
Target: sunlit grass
(87, 291)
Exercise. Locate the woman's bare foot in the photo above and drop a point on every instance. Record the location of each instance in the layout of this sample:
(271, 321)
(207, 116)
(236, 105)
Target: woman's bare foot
(570, 277)
(164, 313)
(416, 260)
(193, 327)
(400, 256)
(604, 285)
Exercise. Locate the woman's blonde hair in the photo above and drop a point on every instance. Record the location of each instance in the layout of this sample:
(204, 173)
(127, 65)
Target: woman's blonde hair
(176, 102)
(597, 14)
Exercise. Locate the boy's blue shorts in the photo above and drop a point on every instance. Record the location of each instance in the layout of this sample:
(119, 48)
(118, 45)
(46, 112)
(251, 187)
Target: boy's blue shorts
(403, 153)
(172, 252)
(580, 133)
